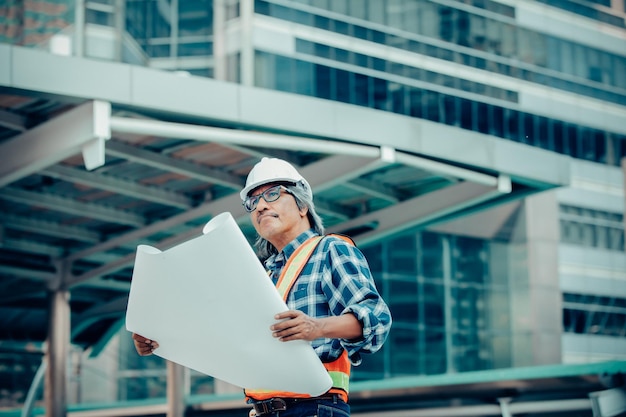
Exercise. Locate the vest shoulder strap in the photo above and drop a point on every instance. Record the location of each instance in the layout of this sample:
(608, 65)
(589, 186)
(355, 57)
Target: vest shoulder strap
(298, 260)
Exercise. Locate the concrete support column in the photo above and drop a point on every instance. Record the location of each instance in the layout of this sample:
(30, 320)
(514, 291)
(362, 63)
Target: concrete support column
(79, 28)
(447, 308)
(219, 40)
(536, 299)
(246, 21)
(120, 29)
(55, 392)
(174, 34)
(175, 390)
(624, 171)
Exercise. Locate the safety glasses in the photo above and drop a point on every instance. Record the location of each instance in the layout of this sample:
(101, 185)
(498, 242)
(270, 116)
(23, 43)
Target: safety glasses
(270, 195)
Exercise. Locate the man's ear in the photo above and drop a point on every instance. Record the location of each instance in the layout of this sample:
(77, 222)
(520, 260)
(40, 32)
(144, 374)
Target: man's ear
(303, 211)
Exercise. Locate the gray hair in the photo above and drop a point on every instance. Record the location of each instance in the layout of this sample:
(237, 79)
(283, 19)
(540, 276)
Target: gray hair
(304, 199)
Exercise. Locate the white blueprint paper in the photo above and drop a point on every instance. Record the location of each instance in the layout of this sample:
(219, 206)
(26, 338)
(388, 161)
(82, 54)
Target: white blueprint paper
(209, 304)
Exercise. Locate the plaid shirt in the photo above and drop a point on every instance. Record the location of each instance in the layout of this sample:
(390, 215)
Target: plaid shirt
(336, 280)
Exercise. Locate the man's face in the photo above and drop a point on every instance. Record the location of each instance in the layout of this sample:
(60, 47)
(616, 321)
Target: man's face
(279, 220)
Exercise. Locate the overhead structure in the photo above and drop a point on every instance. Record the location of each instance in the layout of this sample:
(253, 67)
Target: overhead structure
(84, 180)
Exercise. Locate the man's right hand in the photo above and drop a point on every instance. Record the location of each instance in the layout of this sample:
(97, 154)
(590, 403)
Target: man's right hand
(144, 346)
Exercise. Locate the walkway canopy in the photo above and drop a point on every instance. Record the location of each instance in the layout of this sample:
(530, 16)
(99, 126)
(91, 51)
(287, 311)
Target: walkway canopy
(96, 158)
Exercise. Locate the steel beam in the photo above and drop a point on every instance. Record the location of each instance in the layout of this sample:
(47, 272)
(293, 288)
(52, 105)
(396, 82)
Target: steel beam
(72, 206)
(55, 140)
(48, 228)
(239, 137)
(119, 186)
(319, 175)
(425, 209)
(27, 273)
(12, 121)
(169, 164)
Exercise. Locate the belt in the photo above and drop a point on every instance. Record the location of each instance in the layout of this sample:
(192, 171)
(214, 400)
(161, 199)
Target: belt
(281, 404)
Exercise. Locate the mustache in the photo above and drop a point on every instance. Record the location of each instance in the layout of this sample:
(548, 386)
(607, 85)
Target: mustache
(261, 215)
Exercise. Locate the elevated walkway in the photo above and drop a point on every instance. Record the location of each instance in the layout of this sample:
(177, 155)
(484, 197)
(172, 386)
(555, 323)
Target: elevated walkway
(596, 390)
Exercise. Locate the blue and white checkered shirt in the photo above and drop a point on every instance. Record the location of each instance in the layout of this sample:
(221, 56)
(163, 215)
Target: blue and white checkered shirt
(335, 281)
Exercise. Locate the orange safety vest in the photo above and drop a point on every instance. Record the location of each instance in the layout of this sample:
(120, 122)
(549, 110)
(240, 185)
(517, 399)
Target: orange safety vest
(339, 369)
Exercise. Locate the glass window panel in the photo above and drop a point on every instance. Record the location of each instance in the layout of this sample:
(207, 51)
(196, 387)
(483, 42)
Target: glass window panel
(395, 11)
(342, 85)
(397, 98)
(375, 10)
(402, 254)
(579, 56)
(233, 66)
(543, 133)
(468, 260)
(411, 16)
(496, 122)
(361, 90)
(360, 32)
(405, 346)
(195, 18)
(264, 69)
(281, 12)
(435, 352)
(99, 17)
(450, 110)
(431, 248)
(201, 384)
(468, 309)
(373, 366)
(539, 49)
(482, 117)
(322, 4)
(447, 21)
(619, 71)
(322, 22)
(432, 305)
(323, 81)
(403, 300)
(429, 19)
(339, 6)
(304, 78)
(159, 51)
(341, 27)
(195, 49)
(285, 71)
(374, 256)
(299, 16)
(358, 9)
(467, 120)
(415, 102)
(529, 135)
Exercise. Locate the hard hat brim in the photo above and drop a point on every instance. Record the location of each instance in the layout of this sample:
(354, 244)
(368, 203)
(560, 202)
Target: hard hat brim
(246, 190)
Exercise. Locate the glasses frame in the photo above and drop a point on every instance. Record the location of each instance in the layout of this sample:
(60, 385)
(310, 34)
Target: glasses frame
(253, 200)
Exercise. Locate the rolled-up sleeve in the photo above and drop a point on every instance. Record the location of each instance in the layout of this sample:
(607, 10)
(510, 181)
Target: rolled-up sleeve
(351, 289)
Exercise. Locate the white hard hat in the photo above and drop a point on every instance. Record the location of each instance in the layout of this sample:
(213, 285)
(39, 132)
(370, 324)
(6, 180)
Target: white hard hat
(270, 170)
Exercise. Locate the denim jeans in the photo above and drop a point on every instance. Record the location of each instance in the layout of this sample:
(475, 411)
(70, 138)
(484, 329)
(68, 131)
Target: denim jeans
(315, 408)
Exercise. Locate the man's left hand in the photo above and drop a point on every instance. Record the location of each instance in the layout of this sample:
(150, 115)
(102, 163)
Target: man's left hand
(296, 325)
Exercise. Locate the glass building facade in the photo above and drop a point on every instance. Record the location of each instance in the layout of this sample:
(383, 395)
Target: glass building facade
(472, 64)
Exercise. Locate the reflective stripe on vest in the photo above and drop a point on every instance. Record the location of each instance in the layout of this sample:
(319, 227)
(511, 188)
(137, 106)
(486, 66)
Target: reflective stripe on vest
(339, 369)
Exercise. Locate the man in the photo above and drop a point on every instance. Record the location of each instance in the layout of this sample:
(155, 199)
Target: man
(326, 282)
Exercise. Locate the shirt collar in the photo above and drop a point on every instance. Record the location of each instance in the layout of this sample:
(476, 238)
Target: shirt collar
(288, 250)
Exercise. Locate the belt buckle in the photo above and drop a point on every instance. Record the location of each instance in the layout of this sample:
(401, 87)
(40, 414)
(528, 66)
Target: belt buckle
(269, 406)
